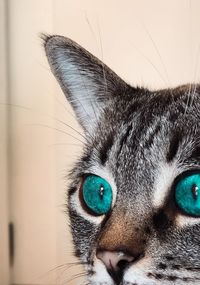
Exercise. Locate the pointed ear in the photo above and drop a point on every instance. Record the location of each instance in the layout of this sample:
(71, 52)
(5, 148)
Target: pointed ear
(87, 83)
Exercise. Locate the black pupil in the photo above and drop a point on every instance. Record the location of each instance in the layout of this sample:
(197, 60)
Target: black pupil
(195, 191)
(101, 191)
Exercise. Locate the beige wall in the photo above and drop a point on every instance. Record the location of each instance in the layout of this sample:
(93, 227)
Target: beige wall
(152, 43)
(4, 268)
(32, 171)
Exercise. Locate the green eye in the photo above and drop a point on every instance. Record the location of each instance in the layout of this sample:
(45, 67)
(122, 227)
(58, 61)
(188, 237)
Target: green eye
(187, 194)
(97, 194)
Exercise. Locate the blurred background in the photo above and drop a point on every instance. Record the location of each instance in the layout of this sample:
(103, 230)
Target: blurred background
(153, 43)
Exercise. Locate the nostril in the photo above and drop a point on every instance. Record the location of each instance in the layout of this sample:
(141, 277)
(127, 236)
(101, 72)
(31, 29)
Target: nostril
(122, 264)
(114, 260)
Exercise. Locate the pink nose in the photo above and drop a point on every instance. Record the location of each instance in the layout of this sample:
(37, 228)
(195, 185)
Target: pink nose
(113, 260)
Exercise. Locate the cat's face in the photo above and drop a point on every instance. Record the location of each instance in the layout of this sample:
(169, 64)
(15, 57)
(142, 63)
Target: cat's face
(134, 200)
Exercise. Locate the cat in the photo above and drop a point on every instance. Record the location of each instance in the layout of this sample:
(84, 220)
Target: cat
(134, 197)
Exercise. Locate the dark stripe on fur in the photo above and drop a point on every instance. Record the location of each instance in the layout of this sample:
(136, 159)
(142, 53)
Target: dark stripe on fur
(104, 151)
(195, 153)
(124, 138)
(173, 148)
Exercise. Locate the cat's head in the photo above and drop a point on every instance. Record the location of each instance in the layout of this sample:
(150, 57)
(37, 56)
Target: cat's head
(134, 199)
